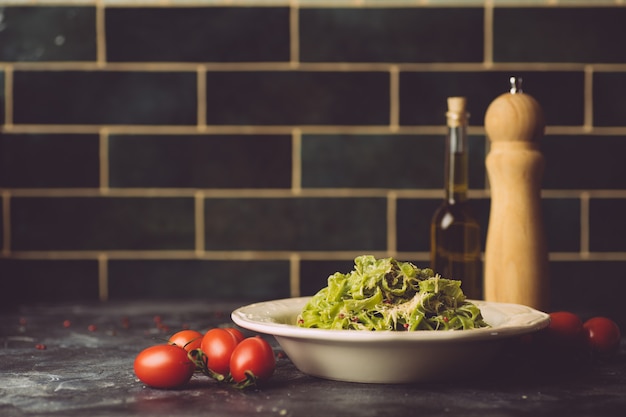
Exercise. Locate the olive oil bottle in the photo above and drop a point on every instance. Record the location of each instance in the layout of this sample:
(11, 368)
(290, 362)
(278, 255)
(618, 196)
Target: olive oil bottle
(455, 251)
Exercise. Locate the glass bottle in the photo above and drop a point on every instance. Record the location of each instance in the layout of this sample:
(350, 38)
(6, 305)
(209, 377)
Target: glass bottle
(455, 251)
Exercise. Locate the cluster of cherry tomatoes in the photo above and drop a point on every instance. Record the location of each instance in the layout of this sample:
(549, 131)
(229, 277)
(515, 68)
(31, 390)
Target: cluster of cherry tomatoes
(599, 336)
(221, 353)
(568, 340)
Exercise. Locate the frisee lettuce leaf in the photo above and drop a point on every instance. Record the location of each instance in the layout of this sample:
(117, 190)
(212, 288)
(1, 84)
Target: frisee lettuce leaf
(386, 294)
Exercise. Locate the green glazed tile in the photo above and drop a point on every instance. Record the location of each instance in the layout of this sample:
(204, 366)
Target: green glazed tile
(198, 279)
(49, 160)
(561, 220)
(584, 162)
(33, 281)
(48, 33)
(197, 34)
(101, 223)
(609, 98)
(607, 227)
(306, 224)
(413, 217)
(382, 161)
(297, 98)
(371, 161)
(375, 34)
(200, 161)
(559, 34)
(105, 97)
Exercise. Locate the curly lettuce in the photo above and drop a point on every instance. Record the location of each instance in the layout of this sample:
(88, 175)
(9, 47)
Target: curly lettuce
(386, 294)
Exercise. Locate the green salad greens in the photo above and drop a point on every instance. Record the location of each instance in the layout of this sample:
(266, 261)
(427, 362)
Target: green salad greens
(385, 294)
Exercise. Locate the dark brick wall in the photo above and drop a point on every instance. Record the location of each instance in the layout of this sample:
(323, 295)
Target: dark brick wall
(247, 152)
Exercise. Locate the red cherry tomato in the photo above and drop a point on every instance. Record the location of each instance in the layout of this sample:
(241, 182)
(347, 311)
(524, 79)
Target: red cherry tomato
(254, 355)
(603, 336)
(187, 339)
(218, 345)
(163, 366)
(565, 329)
(562, 343)
(235, 332)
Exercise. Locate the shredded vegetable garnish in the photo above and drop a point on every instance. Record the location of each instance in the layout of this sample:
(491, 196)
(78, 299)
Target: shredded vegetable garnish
(386, 294)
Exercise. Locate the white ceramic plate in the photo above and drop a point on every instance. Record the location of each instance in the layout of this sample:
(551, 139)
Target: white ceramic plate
(389, 356)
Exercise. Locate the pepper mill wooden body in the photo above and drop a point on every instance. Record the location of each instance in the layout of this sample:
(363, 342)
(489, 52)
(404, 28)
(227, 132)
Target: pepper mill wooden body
(516, 255)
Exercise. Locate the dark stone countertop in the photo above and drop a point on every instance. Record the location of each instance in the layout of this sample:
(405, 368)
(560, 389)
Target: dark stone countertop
(89, 372)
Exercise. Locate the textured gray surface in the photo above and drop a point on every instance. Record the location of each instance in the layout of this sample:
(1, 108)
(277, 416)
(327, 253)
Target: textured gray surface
(84, 372)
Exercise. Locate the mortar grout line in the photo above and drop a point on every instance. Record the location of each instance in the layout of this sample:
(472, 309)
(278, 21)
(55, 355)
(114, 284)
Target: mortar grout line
(296, 161)
(101, 58)
(156, 66)
(103, 277)
(588, 99)
(488, 34)
(225, 129)
(308, 3)
(199, 223)
(392, 206)
(294, 35)
(201, 102)
(286, 129)
(104, 160)
(394, 98)
(210, 193)
(584, 224)
(191, 254)
(268, 255)
(8, 97)
(294, 275)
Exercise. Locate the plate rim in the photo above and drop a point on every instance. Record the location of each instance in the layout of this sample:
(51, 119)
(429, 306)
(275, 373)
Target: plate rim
(244, 318)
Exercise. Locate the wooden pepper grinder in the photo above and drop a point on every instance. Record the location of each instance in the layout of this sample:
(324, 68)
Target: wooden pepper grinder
(516, 255)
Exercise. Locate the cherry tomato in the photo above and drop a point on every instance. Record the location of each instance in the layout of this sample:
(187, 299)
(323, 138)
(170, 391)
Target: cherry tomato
(562, 343)
(603, 336)
(255, 355)
(218, 345)
(164, 366)
(235, 332)
(187, 339)
(565, 329)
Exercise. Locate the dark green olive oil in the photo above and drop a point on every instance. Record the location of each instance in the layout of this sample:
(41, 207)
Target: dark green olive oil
(455, 248)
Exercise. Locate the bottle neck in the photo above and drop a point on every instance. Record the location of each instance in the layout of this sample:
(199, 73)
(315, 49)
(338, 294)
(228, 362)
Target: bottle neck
(456, 164)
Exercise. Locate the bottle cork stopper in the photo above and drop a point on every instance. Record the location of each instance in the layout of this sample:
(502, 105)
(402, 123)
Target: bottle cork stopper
(457, 113)
(514, 116)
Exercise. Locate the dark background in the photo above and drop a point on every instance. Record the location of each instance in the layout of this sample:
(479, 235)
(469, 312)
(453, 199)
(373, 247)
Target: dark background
(249, 152)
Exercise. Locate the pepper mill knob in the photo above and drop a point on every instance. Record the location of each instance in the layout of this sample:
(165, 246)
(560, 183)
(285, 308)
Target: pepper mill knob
(514, 116)
(516, 255)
